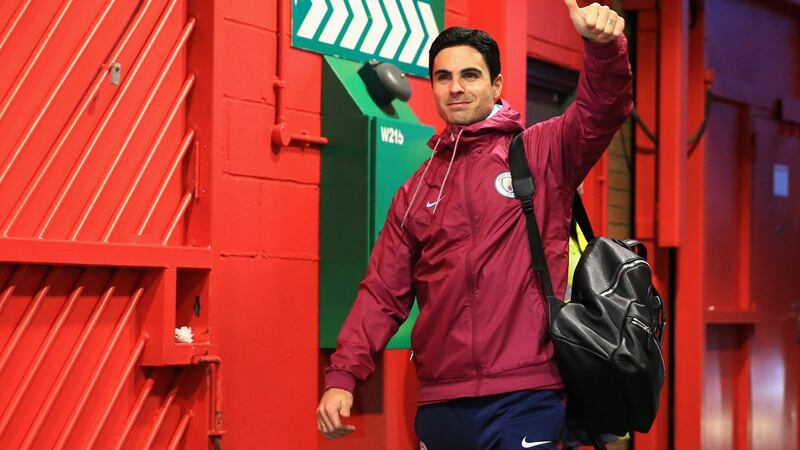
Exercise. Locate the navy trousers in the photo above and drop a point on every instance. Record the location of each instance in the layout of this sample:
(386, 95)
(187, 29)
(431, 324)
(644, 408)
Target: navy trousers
(511, 421)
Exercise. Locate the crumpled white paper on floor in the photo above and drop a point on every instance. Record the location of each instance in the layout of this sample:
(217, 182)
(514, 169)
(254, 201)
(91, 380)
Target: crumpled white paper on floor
(184, 335)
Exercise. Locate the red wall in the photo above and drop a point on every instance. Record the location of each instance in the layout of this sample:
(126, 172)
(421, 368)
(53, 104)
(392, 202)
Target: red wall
(265, 232)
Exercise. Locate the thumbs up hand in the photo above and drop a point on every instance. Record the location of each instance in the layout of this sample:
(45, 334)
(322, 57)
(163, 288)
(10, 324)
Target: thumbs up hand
(595, 22)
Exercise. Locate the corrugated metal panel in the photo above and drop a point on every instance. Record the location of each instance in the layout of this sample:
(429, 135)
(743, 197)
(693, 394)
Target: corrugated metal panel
(70, 354)
(101, 170)
(76, 146)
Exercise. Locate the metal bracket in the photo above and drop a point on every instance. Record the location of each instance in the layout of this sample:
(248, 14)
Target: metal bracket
(116, 73)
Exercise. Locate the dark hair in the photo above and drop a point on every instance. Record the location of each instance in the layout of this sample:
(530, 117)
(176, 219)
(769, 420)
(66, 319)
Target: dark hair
(477, 39)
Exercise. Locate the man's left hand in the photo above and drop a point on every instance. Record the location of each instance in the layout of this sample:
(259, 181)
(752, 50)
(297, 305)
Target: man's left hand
(595, 22)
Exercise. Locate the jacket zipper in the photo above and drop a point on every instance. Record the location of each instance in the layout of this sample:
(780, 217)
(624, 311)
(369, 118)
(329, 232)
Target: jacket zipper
(468, 264)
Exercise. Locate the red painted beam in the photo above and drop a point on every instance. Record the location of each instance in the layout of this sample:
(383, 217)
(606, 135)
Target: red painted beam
(672, 109)
(37, 251)
(646, 105)
(646, 193)
(689, 326)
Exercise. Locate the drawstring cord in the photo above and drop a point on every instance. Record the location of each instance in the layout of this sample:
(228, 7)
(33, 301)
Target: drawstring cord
(424, 172)
(450, 166)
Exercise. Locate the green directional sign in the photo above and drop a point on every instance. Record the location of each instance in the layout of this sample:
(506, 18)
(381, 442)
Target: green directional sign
(395, 31)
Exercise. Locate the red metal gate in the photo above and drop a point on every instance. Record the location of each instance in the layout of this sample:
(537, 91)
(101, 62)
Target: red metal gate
(104, 226)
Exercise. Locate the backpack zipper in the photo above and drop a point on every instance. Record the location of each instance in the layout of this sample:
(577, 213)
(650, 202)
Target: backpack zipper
(625, 267)
(641, 325)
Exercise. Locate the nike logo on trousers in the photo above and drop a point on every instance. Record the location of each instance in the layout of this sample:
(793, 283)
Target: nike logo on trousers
(526, 444)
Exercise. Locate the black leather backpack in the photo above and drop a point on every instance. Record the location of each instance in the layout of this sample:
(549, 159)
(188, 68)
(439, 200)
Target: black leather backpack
(607, 339)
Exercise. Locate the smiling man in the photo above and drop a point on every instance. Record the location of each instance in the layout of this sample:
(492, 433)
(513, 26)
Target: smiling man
(465, 87)
(455, 239)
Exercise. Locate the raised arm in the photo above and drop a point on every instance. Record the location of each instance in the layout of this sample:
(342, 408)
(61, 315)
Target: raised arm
(575, 140)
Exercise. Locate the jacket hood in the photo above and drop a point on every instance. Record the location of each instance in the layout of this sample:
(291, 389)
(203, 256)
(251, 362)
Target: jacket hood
(506, 121)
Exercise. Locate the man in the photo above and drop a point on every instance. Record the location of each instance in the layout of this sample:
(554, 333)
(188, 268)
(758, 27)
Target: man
(455, 239)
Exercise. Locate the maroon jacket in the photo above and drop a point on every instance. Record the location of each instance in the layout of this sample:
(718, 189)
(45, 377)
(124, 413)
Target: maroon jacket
(460, 247)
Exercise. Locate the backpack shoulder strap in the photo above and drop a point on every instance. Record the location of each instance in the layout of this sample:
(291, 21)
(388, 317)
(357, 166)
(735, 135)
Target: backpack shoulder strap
(524, 188)
(582, 219)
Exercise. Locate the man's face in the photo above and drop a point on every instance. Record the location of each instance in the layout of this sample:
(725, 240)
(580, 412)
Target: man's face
(462, 85)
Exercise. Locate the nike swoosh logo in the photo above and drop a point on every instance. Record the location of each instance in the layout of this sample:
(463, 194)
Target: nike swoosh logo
(526, 444)
(431, 204)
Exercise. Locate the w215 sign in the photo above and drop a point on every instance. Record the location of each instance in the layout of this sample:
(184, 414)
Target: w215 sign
(396, 31)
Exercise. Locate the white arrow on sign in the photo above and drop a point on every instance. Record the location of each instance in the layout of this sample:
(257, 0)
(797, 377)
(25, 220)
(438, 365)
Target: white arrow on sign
(310, 24)
(357, 25)
(430, 26)
(397, 32)
(335, 22)
(409, 20)
(377, 29)
(417, 33)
